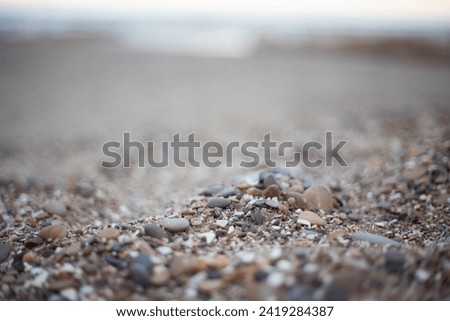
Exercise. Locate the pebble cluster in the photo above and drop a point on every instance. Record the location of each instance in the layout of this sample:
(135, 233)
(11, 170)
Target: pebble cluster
(286, 237)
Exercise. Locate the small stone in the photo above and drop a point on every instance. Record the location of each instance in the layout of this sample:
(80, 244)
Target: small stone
(296, 189)
(394, 261)
(272, 191)
(336, 234)
(29, 258)
(342, 216)
(69, 294)
(272, 202)
(312, 217)
(208, 236)
(5, 249)
(253, 191)
(164, 250)
(260, 275)
(422, 275)
(196, 221)
(258, 217)
(33, 242)
(175, 224)
(319, 197)
(54, 207)
(160, 275)
(218, 202)
(269, 179)
(154, 230)
(73, 248)
(411, 174)
(109, 233)
(353, 217)
(53, 232)
(212, 190)
(222, 223)
(373, 238)
(228, 191)
(140, 269)
(300, 201)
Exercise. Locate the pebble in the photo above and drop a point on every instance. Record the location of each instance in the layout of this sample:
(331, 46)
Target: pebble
(312, 217)
(258, 217)
(253, 191)
(109, 233)
(54, 207)
(208, 236)
(160, 275)
(269, 179)
(154, 230)
(211, 190)
(272, 191)
(73, 248)
(272, 202)
(228, 191)
(29, 258)
(164, 250)
(353, 217)
(5, 249)
(140, 269)
(319, 197)
(394, 261)
(69, 294)
(53, 232)
(422, 275)
(296, 189)
(222, 223)
(373, 238)
(411, 174)
(196, 221)
(300, 201)
(218, 202)
(176, 224)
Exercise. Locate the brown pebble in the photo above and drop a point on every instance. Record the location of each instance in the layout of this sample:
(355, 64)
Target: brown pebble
(160, 275)
(220, 262)
(254, 191)
(296, 189)
(73, 248)
(272, 191)
(335, 234)
(312, 217)
(33, 242)
(319, 197)
(300, 201)
(29, 258)
(109, 233)
(53, 232)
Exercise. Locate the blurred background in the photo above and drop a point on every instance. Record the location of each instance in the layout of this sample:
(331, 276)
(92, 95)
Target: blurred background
(76, 73)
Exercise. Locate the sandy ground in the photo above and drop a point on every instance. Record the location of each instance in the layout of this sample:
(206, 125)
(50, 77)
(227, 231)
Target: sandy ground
(61, 99)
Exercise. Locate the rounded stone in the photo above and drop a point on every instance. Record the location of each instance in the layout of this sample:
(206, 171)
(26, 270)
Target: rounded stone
(300, 201)
(53, 232)
(109, 233)
(175, 224)
(140, 269)
(272, 191)
(218, 202)
(319, 197)
(394, 261)
(154, 230)
(5, 249)
(269, 179)
(312, 217)
(54, 207)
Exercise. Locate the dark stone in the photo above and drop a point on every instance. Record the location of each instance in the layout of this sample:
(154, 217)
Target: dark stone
(260, 275)
(258, 218)
(211, 190)
(270, 180)
(33, 242)
(214, 274)
(394, 261)
(140, 269)
(218, 202)
(118, 263)
(301, 292)
(228, 191)
(5, 249)
(155, 231)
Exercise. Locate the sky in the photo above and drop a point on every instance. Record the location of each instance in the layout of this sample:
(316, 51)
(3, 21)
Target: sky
(431, 10)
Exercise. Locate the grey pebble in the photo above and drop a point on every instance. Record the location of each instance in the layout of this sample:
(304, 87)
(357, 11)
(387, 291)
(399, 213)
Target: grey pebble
(394, 261)
(218, 202)
(260, 202)
(154, 230)
(269, 179)
(272, 203)
(118, 263)
(228, 191)
(259, 218)
(175, 224)
(140, 269)
(212, 190)
(353, 217)
(4, 252)
(373, 238)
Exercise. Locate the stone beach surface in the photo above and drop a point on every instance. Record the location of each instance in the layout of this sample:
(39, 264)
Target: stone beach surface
(73, 230)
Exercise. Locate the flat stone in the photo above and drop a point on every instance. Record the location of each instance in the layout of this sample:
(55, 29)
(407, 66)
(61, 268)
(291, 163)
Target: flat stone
(218, 202)
(312, 217)
(33, 242)
(258, 217)
(300, 200)
(319, 197)
(5, 249)
(272, 202)
(175, 224)
(373, 238)
(109, 233)
(53, 232)
(55, 207)
(353, 217)
(212, 190)
(154, 230)
(222, 223)
(272, 191)
(228, 191)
